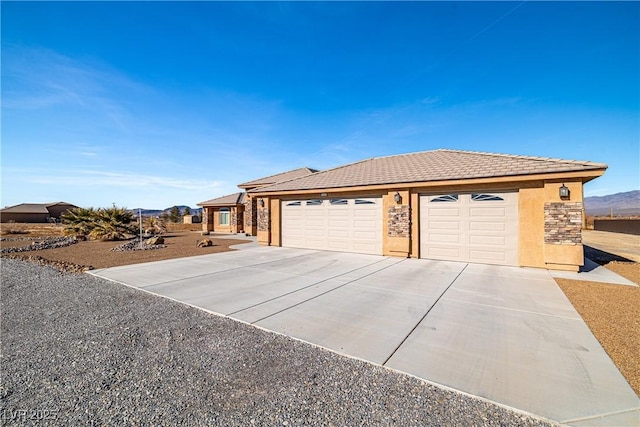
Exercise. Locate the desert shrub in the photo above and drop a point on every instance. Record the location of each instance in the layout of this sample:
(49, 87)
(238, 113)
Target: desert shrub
(102, 224)
(113, 224)
(153, 226)
(79, 221)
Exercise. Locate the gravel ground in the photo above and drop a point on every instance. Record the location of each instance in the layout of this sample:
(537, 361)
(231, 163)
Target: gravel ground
(612, 312)
(97, 254)
(78, 350)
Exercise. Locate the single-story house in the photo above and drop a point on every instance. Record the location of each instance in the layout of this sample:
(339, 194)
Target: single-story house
(35, 212)
(236, 213)
(442, 204)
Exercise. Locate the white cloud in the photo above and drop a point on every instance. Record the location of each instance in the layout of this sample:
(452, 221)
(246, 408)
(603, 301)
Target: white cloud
(88, 178)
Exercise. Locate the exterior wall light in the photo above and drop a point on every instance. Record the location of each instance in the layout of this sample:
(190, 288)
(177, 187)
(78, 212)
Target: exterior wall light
(397, 197)
(564, 192)
(261, 203)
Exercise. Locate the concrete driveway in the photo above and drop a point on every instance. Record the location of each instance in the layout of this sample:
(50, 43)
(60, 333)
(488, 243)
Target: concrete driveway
(502, 333)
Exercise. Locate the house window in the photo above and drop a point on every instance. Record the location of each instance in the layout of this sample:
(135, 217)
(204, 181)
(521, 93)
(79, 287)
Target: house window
(445, 198)
(224, 216)
(314, 202)
(486, 198)
(297, 203)
(339, 201)
(364, 202)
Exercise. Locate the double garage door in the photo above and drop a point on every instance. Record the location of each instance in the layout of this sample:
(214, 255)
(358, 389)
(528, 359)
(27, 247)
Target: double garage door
(476, 227)
(346, 224)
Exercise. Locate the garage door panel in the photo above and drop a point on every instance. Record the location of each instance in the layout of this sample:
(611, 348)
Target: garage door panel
(313, 232)
(349, 225)
(338, 245)
(486, 256)
(361, 224)
(444, 225)
(341, 233)
(488, 240)
(444, 238)
(487, 226)
(472, 228)
(444, 253)
(365, 235)
(488, 212)
(444, 212)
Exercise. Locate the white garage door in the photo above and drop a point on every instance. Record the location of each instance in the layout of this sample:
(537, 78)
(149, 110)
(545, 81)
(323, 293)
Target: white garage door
(478, 227)
(346, 225)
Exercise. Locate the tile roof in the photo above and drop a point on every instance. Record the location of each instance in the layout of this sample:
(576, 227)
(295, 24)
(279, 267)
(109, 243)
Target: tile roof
(228, 200)
(284, 176)
(33, 208)
(427, 166)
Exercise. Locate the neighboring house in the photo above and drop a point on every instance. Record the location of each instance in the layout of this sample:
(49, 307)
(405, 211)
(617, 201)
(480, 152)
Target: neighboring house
(442, 204)
(190, 219)
(35, 212)
(236, 213)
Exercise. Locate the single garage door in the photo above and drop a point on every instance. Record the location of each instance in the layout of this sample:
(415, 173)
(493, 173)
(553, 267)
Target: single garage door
(346, 225)
(477, 227)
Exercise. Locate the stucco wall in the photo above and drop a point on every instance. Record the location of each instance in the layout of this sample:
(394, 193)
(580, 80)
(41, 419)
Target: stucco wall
(401, 227)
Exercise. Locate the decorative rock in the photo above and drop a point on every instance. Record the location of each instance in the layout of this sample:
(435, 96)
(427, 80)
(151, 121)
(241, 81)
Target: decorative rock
(204, 243)
(156, 240)
(42, 244)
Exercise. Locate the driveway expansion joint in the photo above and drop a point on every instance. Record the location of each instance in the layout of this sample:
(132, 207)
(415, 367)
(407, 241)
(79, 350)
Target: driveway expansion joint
(315, 284)
(424, 316)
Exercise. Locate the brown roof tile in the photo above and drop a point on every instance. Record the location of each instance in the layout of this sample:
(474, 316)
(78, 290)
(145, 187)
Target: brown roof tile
(284, 176)
(228, 200)
(427, 166)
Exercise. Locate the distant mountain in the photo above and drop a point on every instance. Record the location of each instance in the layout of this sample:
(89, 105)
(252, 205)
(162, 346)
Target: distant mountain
(627, 203)
(158, 212)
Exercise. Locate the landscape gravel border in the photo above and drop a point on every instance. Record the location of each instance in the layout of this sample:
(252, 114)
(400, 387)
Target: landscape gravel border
(79, 350)
(42, 244)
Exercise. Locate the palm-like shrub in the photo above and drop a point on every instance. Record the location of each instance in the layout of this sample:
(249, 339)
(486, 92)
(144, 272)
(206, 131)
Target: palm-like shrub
(113, 224)
(105, 223)
(78, 221)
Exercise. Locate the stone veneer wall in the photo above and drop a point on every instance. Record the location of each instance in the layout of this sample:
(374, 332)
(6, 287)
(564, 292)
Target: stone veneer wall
(234, 217)
(250, 214)
(399, 221)
(263, 219)
(563, 223)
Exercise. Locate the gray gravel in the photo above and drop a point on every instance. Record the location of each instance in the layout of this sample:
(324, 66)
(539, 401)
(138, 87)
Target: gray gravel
(78, 350)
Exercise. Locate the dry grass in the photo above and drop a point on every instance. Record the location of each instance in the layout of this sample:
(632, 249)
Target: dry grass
(612, 312)
(9, 229)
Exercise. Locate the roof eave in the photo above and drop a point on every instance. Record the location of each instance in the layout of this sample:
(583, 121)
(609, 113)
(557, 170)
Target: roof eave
(585, 175)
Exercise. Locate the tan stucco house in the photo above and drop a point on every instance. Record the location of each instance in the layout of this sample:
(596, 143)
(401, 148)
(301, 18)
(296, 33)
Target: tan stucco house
(442, 204)
(35, 212)
(236, 213)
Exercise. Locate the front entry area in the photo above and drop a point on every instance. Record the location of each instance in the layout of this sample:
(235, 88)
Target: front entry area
(474, 227)
(338, 224)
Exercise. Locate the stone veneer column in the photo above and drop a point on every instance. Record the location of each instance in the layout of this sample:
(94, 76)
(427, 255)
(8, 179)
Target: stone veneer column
(264, 223)
(563, 223)
(399, 221)
(207, 220)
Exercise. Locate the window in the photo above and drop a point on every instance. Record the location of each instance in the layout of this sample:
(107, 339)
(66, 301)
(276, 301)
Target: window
(296, 203)
(486, 198)
(314, 202)
(224, 216)
(364, 202)
(339, 201)
(445, 198)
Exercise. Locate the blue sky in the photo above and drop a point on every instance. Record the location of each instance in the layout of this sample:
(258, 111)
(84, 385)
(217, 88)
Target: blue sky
(151, 104)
